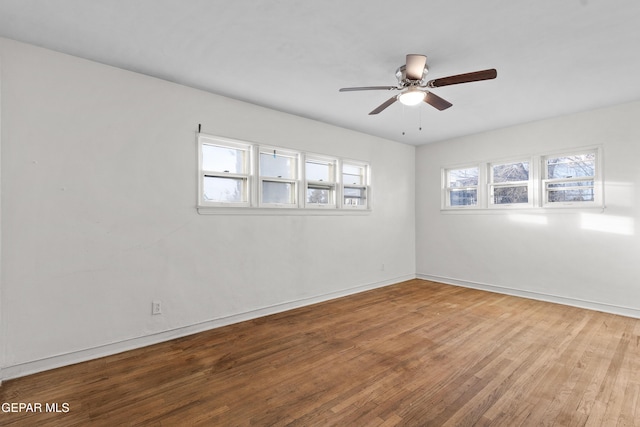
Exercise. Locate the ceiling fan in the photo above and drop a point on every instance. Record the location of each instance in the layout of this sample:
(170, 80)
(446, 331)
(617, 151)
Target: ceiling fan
(412, 82)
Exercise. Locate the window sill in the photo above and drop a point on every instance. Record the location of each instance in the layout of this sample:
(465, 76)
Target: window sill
(524, 209)
(206, 210)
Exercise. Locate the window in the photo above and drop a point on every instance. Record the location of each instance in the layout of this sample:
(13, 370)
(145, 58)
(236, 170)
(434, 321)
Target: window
(355, 187)
(462, 187)
(259, 179)
(278, 178)
(570, 179)
(320, 178)
(225, 172)
(509, 184)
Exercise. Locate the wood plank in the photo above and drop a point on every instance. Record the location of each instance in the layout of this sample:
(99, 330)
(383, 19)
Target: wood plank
(415, 353)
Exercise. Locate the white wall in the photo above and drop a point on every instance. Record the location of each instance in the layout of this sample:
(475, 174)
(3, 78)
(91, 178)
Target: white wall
(98, 214)
(579, 257)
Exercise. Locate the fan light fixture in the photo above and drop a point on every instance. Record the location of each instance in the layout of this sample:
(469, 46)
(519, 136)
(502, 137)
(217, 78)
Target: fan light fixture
(412, 97)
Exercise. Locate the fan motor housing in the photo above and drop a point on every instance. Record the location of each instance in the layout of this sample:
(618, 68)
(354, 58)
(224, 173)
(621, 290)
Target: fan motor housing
(401, 75)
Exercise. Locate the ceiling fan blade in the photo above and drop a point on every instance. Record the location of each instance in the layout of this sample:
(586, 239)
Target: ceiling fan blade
(437, 102)
(464, 78)
(415, 66)
(384, 105)
(350, 89)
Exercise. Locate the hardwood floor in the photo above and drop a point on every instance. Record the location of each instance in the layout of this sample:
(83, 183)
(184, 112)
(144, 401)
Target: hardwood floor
(417, 354)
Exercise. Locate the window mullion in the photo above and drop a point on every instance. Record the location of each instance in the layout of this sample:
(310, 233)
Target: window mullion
(255, 174)
(302, 187)
(483, 178)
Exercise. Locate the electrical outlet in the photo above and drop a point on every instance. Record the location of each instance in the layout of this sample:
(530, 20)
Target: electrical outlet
(156, 307)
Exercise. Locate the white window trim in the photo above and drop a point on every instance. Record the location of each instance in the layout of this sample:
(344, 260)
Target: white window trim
(366, 180)
(295, 181)
(598, 183)
(536, 181)
(332, 184)
(253, 205)
(446, 187)
(224, 142)
(491, 186)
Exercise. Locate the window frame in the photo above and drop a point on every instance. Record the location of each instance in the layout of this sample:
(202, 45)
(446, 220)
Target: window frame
(246, 176)
(596, 178)
(294, 181)
(447, 188)
(492, 185)
(331, 184)
(364, 186)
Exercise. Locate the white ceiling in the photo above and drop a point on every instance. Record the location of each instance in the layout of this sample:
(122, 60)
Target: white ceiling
(553, 57)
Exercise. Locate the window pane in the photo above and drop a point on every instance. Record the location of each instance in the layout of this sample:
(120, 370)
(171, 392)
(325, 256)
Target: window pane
(571, 166)
(315, 171)
(319, 195)
(463, 177)
(572, 195)
(278, 192)
(508, 195)
(223, 159)
(352, 175)
(463, 197)
(509, 172)
(217, 189)
(355, 196)
(277, 166)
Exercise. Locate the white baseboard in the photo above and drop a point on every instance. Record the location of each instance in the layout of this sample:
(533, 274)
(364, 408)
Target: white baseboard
(71, 358)
(573, 302)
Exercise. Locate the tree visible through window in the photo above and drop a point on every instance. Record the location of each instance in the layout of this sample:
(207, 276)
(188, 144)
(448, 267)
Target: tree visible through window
(462, 187)
(570, 178)
(320, 175)
(509, 183)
